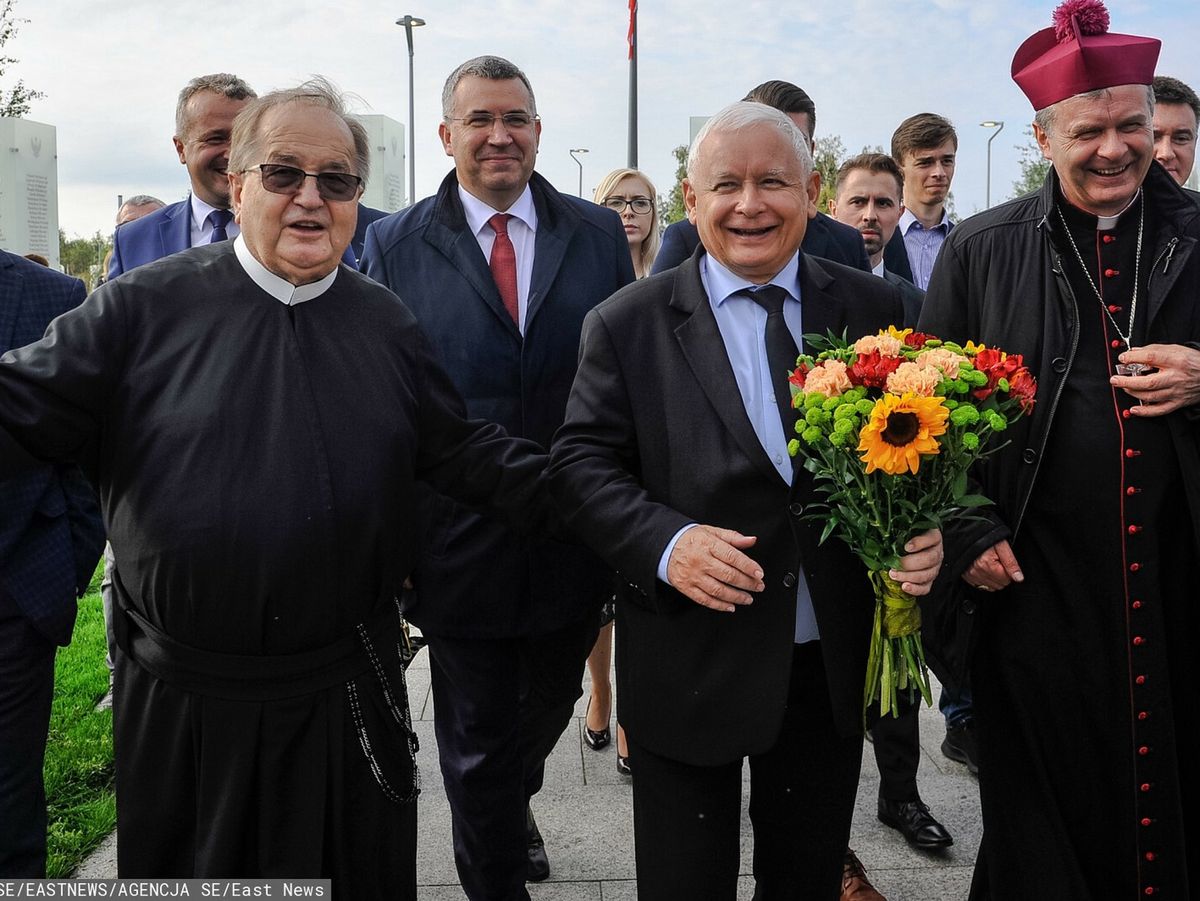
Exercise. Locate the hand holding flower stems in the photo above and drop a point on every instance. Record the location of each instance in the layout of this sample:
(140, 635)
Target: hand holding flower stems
(889, 427)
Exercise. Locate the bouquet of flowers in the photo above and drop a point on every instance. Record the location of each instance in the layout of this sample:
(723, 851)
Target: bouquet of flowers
(889, 426)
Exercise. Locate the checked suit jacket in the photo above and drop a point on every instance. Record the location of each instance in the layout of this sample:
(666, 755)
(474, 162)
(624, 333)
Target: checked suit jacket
(656, 436)
(51, 536)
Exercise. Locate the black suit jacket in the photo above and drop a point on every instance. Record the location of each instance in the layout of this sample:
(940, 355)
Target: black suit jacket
(825, 237)
(477, 578)
(895, 258)
(912, 296)
(656, 437)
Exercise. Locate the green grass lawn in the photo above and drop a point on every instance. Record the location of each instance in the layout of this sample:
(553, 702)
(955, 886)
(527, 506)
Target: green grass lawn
(79, 754)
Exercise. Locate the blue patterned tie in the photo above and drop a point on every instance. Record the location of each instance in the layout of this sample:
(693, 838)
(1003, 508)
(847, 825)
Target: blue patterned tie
(219, 219)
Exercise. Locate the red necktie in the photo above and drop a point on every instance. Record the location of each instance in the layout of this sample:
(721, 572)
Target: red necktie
(504, 265)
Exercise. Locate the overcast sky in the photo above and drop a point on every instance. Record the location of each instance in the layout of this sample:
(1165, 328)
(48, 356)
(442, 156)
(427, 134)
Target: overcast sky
(111, 71)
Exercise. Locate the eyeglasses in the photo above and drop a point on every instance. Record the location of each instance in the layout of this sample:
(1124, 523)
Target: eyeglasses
(641, 205)
(486, 121)
(280, 179)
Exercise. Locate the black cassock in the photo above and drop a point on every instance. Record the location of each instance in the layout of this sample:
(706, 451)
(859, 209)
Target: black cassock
(256, 463)
(1082, 679)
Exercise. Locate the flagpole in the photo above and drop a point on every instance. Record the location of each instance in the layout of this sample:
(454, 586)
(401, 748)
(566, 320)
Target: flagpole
(633, 114)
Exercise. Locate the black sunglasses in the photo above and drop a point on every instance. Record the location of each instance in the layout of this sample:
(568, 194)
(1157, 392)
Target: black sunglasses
(280, 179)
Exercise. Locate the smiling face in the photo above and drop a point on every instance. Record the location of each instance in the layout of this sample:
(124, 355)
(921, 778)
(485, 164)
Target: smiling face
(492, 164)
(870, 202)
(1101, 147)
(749, 198)
(204, 145)
(1175, 139)
(928, 173)
(299, 237)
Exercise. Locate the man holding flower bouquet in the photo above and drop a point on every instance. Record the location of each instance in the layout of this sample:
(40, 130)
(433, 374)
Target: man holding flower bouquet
(1073, 606)
(740, 637)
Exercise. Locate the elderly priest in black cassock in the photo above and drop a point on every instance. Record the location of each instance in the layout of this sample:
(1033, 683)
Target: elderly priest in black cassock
(1079, 601)
(256, 416)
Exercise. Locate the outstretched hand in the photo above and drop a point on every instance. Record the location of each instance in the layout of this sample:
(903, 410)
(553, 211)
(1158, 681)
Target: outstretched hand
(920, 566)
(707, 565)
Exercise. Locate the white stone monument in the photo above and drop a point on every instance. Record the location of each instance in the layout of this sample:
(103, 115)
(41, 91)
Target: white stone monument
(29, 188)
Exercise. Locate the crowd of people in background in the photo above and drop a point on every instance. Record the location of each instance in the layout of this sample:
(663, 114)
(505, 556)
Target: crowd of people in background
(570, 426)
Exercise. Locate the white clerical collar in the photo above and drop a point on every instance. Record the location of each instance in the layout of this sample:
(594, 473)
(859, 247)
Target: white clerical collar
(1108, 223)
(279, 288)
(478, 212)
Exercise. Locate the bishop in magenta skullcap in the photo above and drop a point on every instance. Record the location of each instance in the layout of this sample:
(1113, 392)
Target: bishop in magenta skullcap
(1078, 54)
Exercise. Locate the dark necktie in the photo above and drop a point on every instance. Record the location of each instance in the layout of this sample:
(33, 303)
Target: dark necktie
(504, 265)
(219, 219)
(781, 351)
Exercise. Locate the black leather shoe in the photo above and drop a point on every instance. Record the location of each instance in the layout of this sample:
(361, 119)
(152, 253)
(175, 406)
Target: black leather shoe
(915, 823)
(623, 766)
(538, 867)
(595, 740)
(959, 744)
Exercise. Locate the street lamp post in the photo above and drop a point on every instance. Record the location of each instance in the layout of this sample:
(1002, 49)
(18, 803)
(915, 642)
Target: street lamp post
(409, 23)
(999, 126)
(579, 163)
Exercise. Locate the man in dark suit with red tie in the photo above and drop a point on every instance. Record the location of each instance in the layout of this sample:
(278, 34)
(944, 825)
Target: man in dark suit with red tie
(500, 269)
(739, 637)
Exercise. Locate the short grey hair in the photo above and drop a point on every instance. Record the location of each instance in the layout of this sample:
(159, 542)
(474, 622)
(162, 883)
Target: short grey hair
(493, 68)
(317, 91)
(1044, 118)
(142, 200)
(218, 83)
(747, 114)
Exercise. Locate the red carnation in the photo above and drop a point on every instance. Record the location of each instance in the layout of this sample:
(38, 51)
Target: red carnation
(1089, 15)
(1023, 386)
(995, 365)
(799, 375)
(872, 369)
(916, 339)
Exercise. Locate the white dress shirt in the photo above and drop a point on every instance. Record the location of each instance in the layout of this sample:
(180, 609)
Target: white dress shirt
(201, 228)
(522, 231)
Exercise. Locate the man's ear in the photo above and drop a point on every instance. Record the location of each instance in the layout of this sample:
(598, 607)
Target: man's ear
(179, 149)
(1043, 140)
(444, 134)
(814, 193)
(235, 196)
(689, 201)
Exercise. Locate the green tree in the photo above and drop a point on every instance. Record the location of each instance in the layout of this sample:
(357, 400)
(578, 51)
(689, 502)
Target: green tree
(1033, 165)
(670, 207)
(16, 101)
(84, 257)
(830, 153)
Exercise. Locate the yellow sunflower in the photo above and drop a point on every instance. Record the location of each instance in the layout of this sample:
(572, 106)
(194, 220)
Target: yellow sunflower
(900, 429)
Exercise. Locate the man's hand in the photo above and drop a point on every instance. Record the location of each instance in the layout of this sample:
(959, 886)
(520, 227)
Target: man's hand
(1175, 384)
(707, 565)
(920, 566)
(994, 569)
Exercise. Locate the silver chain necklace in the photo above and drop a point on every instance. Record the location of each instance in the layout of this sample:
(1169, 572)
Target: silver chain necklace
(1137, 266)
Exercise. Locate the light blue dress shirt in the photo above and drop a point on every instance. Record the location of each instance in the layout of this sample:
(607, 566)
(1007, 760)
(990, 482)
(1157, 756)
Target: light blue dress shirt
(743, 327)
(923, 245)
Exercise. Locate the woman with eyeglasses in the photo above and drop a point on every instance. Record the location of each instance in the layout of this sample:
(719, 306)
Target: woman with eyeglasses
(631, 195)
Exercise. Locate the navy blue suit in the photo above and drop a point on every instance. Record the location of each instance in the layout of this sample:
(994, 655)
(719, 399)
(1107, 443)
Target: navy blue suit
(50, 540)
(169, 231)
(825, 237)
(509, 622)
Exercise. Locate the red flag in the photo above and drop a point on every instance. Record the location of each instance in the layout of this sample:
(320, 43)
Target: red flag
(632, 36)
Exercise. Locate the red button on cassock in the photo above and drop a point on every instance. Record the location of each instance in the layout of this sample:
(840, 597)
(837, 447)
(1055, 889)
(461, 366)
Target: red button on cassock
(1143, 750)
(1150, 855)
(1134, 567)
(1140, 680)
(1113, 308)
(1131, 491)
(1125, 414)
(1114, 343)
(1143, 714)
(1133, 530)
(1149, 890)
(1138, 640)
(1108, 239)
(1111, 273)
(1145, 786)
(1136, 605)
(1131, 453)
(1146, 821)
